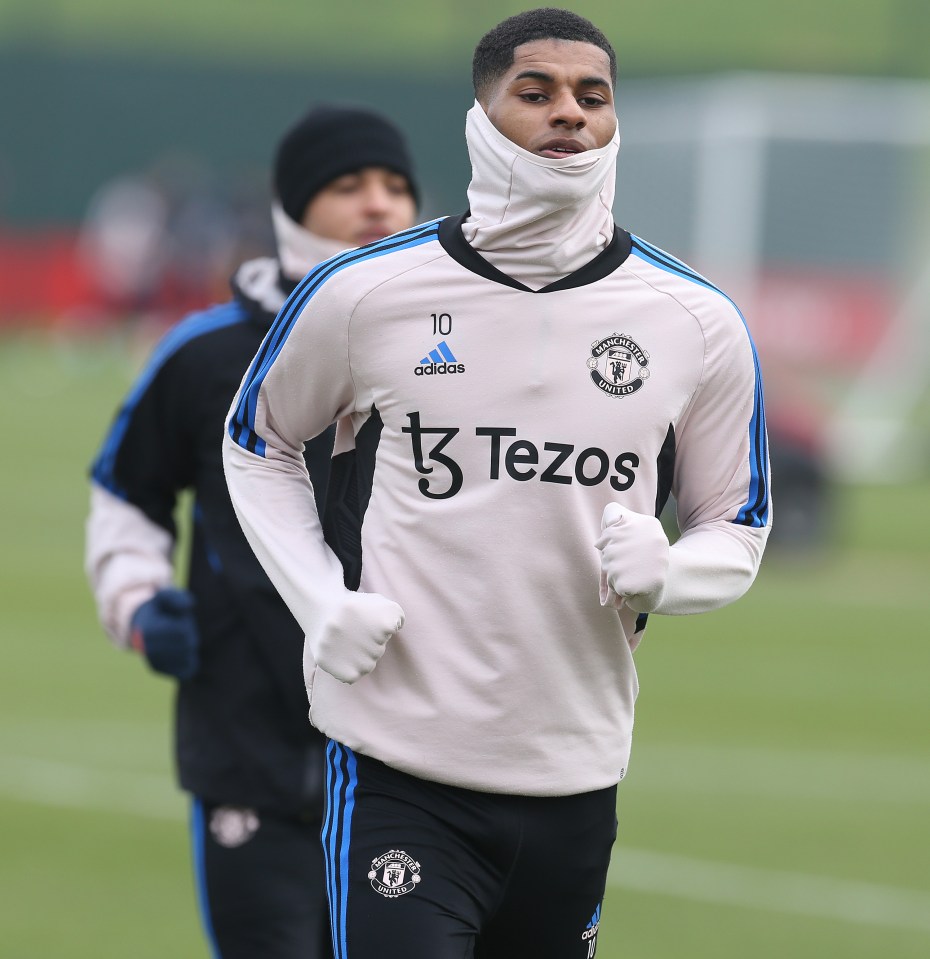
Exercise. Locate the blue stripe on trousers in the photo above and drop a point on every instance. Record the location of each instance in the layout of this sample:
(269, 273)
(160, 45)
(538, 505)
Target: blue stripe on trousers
(341, 780)
(198, 844)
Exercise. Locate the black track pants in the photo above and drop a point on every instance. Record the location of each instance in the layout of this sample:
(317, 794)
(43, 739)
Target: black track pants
(418, 870)
(261, 884)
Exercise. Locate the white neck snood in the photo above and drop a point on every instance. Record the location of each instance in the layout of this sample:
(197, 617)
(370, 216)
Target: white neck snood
(534, 218)
(299, 250)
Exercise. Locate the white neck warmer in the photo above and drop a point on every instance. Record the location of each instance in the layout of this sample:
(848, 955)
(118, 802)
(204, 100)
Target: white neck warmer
(299, 250)
(534, 218)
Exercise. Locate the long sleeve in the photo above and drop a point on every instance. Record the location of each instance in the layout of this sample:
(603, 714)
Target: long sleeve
(721, 473)
(144, 460)
(711, 566)
(127, 559)
(721, 482)
(299, 383)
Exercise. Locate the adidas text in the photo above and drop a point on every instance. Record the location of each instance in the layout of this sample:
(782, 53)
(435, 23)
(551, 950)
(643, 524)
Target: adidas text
(438, 368)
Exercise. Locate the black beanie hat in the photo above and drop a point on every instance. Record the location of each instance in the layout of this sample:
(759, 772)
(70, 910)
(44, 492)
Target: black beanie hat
(330, 141)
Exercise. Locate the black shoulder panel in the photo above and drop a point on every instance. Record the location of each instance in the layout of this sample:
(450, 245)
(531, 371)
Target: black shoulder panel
(350, 482)
(665, 471)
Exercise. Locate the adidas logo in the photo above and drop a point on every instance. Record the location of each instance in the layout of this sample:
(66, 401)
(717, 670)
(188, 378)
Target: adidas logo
(438, 361)
(441, 354)
(590, 932)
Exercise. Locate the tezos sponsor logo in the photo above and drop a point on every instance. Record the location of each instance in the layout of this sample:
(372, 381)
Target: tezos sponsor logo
(394, 874)
(619, 365)
(513, 457)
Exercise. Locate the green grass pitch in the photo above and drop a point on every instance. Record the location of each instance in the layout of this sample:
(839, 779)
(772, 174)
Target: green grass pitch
(777, 801)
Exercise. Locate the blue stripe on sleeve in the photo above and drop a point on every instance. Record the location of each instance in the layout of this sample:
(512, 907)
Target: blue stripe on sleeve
(242, 422)
(213, 557)
(197, 325)
(755, 511)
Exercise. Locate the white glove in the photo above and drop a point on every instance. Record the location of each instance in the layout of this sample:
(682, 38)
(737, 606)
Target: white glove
(634, 558)
(353, 635)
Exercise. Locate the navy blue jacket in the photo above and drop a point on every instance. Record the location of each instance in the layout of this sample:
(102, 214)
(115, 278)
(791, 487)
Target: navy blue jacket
(243, 736)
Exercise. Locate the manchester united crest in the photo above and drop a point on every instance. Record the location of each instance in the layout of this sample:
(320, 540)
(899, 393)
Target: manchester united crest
(232, 826)
(394, 874)
(619, 365)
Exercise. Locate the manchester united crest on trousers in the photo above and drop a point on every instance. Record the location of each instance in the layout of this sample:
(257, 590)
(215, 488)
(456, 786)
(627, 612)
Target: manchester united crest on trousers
(394, 874)
(619, 365)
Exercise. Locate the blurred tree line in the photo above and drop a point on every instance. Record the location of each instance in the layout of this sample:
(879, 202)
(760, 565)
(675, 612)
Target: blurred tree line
(93, 89)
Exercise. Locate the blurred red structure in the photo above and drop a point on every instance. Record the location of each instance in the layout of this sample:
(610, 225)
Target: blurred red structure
(822, 319)
(41, 277)
(800, 321)
(45, 282)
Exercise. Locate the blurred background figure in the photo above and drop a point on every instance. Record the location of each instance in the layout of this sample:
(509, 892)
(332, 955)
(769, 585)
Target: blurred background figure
(245, 750)
(123, 244)
(159, 243)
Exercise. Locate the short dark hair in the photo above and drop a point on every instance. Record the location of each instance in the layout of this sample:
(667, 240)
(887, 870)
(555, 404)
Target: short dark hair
(494, 53)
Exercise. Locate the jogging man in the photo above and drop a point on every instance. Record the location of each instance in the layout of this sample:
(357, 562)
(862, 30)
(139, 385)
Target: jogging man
(518, 391)
(246, 751)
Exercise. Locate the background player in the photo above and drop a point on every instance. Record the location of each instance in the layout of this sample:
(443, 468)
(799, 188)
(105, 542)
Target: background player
(245, 749)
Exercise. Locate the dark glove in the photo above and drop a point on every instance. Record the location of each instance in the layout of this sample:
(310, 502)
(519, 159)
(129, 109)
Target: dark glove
(165, 632)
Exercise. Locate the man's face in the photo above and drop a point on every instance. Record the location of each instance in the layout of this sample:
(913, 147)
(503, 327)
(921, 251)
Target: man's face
(556, 99)
(361, 207)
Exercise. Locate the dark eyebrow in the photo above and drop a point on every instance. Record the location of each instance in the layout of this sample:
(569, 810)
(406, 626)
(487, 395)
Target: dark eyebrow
(548, 78)
(535, 75)
(595, 82)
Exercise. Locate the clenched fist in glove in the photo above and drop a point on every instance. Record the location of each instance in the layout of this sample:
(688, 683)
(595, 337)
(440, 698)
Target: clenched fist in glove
(165, 632)
(634, 557)
(353, 634)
